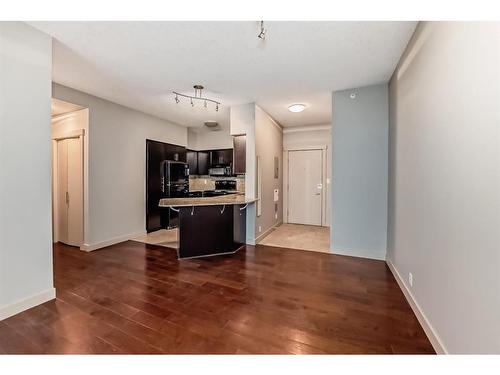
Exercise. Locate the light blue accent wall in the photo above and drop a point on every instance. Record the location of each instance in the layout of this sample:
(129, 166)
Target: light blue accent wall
(360, 129)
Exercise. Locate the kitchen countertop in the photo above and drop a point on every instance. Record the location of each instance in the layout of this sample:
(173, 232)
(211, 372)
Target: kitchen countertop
(206, 201)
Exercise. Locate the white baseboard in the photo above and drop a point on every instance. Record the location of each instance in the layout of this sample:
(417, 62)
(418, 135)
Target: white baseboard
(370, 254)
(261, 236)
(111, 241)
(27, 303)
(431, 333)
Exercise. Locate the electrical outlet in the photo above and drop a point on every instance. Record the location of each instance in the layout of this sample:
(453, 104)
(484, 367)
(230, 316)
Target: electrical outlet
(410, 279)
(260, 229)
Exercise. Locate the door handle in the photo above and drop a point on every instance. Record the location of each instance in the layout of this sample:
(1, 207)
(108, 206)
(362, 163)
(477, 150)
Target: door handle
(317, 193)
(67, 198)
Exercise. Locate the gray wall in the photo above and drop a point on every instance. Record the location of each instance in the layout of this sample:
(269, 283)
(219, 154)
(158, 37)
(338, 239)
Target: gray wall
(25, 168)
(444, 201)
(268, 145)
(359, 176)
(117, 164)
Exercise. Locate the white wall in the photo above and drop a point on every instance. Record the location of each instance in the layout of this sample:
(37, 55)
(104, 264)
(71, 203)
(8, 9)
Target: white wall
(444, 201)
(268, 145)
(206, 139)
(25, 168)
(359, 176)
(307, 137)
(117, 165)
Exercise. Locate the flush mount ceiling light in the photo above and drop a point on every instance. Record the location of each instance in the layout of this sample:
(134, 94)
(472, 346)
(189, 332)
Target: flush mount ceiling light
(197, 98)
(296, 108)
(212, 125)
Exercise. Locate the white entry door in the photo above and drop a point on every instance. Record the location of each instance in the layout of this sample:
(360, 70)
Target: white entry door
(305, 195)
(69, 194)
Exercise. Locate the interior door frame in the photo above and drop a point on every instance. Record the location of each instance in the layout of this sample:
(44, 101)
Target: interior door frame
(286, 166)
(80, 134)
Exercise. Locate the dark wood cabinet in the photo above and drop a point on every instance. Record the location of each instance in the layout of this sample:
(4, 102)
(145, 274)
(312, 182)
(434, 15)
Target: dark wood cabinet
(200, 161)
(192, 160)
(211, 230)
(221, 157)
(239, 154)
(203, 161)
(156, 153)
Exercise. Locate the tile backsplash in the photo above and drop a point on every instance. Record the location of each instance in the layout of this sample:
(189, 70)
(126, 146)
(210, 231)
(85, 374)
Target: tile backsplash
(197, 183)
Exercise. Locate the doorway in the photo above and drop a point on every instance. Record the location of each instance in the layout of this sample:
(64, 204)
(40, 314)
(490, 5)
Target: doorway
(69, 126)
(306, 212)
(305, 187)
(69, 186)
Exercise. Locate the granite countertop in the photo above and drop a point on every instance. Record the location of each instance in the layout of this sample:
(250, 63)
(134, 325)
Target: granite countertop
(206, 201)
(225, 190)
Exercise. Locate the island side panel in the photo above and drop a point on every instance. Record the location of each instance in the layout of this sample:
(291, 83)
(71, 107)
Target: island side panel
(208, 231)
(240, 225)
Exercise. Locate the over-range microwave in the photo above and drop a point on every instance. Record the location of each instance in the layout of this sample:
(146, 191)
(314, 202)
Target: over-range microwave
(220, 171)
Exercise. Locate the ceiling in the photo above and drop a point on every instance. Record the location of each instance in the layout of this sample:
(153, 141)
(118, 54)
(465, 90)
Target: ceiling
(139, 64)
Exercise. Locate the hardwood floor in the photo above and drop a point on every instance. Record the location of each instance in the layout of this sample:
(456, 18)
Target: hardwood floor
(138, 298)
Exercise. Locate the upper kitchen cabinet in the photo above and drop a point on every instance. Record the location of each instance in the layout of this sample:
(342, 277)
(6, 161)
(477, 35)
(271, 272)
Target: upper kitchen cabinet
(239, 154)
(203, 161)
(221, 157)
(192, 160)
(174, 152)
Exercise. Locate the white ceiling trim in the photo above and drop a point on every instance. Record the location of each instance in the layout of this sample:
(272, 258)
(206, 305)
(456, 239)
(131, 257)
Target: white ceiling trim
(306, 128)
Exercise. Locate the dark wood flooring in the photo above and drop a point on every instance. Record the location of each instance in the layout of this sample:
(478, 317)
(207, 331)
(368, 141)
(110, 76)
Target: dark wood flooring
(137, 298)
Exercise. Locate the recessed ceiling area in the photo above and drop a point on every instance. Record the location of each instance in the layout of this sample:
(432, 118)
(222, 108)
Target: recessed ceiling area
(139, 64)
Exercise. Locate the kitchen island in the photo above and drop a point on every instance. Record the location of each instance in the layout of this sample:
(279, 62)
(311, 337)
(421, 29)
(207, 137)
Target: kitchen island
(210, 225)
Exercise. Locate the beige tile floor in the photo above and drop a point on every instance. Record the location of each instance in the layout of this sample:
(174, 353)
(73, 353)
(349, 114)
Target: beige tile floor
(162, 237)
(303, 237)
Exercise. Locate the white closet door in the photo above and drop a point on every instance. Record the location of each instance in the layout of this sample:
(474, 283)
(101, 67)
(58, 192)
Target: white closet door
(62, 190)
(305, 195)
(70, 191)
(75, 192)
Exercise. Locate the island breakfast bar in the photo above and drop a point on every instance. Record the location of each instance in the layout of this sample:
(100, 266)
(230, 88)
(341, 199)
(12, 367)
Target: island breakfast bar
(210, 225)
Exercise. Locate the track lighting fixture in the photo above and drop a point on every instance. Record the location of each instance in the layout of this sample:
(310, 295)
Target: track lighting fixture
(197, 96)
(262, 34)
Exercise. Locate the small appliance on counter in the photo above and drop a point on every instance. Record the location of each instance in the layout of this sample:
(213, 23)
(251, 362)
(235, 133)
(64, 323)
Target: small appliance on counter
(174, 184)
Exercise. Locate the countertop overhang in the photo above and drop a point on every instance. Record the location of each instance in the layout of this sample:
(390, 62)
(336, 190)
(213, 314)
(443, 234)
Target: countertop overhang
(206, 201)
